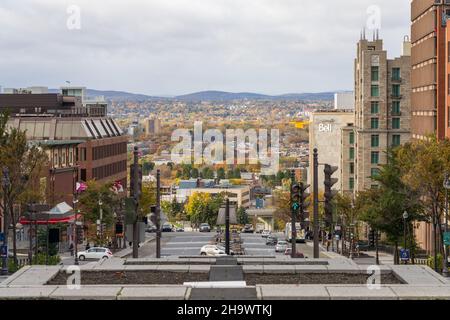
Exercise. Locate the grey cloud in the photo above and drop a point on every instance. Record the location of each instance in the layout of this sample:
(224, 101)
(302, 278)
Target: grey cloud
(179, 46)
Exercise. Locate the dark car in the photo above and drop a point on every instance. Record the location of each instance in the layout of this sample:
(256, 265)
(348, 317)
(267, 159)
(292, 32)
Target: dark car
(167, 227)
(271, 240)
(204, 227)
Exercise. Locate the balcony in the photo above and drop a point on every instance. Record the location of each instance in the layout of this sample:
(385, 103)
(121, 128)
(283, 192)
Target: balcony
(396, 96)
(396, 80)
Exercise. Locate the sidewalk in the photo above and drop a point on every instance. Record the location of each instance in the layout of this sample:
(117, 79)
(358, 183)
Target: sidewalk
(129, 250)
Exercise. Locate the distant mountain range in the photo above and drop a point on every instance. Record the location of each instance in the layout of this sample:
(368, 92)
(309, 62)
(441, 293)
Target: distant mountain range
(210, 96)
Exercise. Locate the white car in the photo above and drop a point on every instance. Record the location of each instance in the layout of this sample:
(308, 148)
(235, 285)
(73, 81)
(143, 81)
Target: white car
(265, 233)
(95, 253)
(281, 246)
(212, 250)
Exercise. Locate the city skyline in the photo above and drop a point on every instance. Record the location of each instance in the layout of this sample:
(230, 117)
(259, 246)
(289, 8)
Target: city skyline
(162, 49)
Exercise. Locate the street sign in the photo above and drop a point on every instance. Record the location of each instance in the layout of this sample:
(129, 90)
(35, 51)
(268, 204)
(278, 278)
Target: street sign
(404, 254)
(3, 251)
(2, 237)
(447, 238)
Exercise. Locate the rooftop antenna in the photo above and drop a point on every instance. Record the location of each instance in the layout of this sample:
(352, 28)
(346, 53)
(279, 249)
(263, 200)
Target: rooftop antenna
(364, 33)
(378, 34)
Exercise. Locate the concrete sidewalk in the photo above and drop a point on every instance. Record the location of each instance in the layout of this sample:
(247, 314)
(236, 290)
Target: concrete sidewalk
(125, 252)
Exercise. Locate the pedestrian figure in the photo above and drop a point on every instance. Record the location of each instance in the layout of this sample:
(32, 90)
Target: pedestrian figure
(71, 249)
(88, 246)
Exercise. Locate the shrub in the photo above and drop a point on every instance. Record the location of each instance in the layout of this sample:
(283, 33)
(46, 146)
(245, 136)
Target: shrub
(430, 261)
(41, 257)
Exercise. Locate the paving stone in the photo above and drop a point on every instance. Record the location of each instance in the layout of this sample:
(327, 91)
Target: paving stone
(26, 293)
(153, 293)
(36, 275)
(87, 293)
(279, 269)
(253, 269)
(422, 292)
(311, 269)
(360, 293)
(199, 268)
(294, 292)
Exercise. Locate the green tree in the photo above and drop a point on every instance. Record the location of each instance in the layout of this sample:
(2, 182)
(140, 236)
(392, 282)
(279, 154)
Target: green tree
(221, 173)
(25, 163)
(425, 163)
(242, 216)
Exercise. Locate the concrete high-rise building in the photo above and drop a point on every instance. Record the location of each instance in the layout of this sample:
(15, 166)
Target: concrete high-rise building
(152, 126)
(430, 37)
(325, 135)
(381, 115)
(344, 100)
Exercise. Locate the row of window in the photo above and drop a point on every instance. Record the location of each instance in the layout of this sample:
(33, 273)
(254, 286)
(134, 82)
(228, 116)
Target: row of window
(109, 170)
(374, 173)
(375, 123)
(375, 107)
(107, 151)
(374, 142)
(375, 74)
(375, 91)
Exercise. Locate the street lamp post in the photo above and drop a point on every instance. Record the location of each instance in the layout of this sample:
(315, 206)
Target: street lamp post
(447, 187)
(100, 203)
(405, 217)
(6, 185)
(75, 238)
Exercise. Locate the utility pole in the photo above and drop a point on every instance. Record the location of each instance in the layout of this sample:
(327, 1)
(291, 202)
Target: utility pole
(158, 214)
(316, 203)
(32, 211)
(5, 221)
(227, 226)
(445, 272)
(136, 194)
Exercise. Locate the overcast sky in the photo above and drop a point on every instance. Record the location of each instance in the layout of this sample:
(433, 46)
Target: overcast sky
(170, 47)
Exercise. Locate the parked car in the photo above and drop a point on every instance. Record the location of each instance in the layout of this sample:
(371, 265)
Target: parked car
(271, 240)
(223, 249)
(96, 253)
(212, 250)
(281, 246)
(179, 229)
(265, 233)
(248, 228)
(204, 227)
(167, 227)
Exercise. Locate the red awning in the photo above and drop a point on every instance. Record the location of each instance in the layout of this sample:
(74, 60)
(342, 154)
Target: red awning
(68, 219)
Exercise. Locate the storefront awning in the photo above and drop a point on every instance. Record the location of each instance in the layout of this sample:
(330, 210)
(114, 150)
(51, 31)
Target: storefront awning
(62, 213)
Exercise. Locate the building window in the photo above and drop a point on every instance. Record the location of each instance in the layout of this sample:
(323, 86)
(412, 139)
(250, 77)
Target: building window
(375, 157)
(352, 137)
(374, 107)
(395, 140)
(396, 108)
(352, 153)
(375, 141)
(352, 168)
(396, 74)
(396, 90)
(374, 172)
(375, 74)
(395, 123)
(375, 91)
(374, 123)
(351, 183)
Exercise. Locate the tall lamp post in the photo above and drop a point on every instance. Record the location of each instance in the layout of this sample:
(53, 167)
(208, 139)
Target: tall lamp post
(405, 217)
(100, 203)
(75, 238)
(447, 187)
(5, 185)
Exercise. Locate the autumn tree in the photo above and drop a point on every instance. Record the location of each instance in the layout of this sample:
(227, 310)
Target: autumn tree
(24, 163)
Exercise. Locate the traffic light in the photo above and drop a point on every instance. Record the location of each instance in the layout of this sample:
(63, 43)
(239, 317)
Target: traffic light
(329, 194)
(132, 181)
(295, 197)
(372, 238)
(119, 228)
(80, 234)
(304, 200)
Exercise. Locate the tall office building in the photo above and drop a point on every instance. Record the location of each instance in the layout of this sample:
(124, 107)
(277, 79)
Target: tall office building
(382, 113)
(152, 126)
(430, 72)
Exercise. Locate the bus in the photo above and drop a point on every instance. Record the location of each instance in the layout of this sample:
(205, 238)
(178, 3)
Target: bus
(301, 233)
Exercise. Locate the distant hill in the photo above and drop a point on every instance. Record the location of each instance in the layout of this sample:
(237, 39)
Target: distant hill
(227, 96)
(207, 96)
